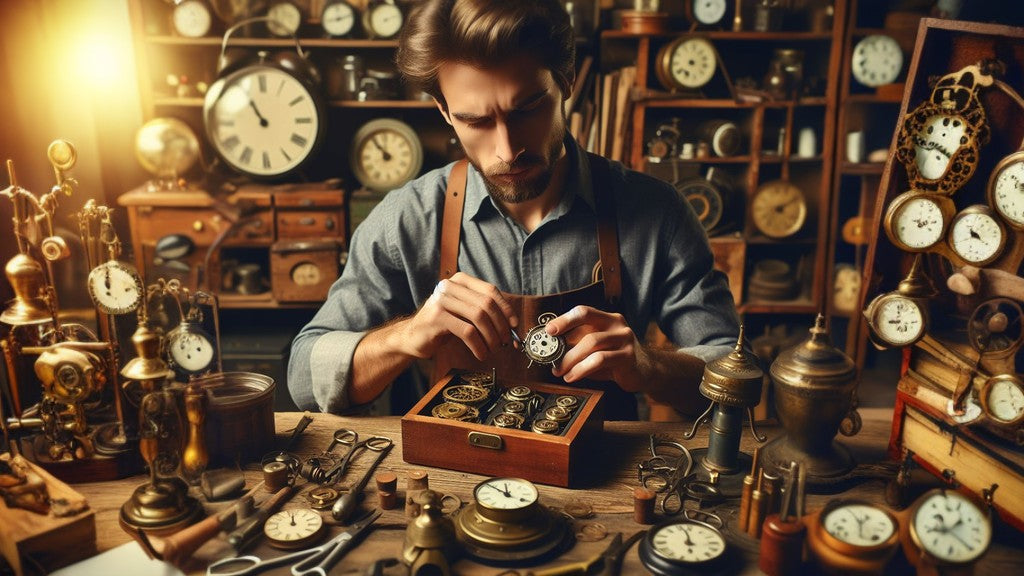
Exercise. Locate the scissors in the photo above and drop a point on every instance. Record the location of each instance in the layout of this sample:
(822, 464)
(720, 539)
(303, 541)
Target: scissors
(315, 561)
(350, 438)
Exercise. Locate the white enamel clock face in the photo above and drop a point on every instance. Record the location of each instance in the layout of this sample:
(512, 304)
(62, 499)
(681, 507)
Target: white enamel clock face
(293, 528)
(384, 20)
(285, 19)
(688, 542)
(940, 138)
(950, 527)
(917, 222)
(505, 493)
(847, 288)
(859, 524)
(191, 350)
(262, 121)
(898, 320)
(1004, 399)
(1006, 190)
(778, 209)
(115, 287)
(877, 60)
(191, 18)
(338, 18)
(306, 274)
(976, 236)
(386, 154)
(692, 63)
(709, 12)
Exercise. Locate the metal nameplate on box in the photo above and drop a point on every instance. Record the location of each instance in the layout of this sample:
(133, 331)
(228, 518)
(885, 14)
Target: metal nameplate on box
(477, 422)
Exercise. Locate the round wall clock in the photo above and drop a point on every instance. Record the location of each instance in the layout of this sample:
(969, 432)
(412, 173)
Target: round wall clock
(386, 153)
(687, 63)
(778, 209)
(115, 287)
(976, 235)
(284, 18)
(876, 60)
(916, 221)
(264, 121)
(191, 18)
(1006, 189)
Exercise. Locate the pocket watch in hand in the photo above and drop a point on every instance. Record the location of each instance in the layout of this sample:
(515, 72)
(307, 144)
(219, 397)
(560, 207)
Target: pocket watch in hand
(1002, 399)
(115, 287)
(1006, 189)
(541, 347)
(976, 235)
(896, 319)
(778, 209)
(944, 529)
(338, 18)
(383, 19)
(915, 221)
(192, 18)
(877, 60)
(386, 153)
(685, 546)
(292, 529)
(852, 537)
(687, 63)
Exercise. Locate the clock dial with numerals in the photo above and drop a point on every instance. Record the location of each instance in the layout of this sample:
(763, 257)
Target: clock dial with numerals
(859, 524)
(1006, 189)
(1002, 399)
(115, 287)
(877, 60)
(687, 63)
(263, 121)
(949, 528)
(897, 320)
(778, 209)
(976, 235)
(386, 153)
(294, 528)
(916, 221)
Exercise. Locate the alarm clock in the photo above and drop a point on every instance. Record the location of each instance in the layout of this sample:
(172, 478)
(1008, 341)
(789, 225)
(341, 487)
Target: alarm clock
(265, 117)
(686, 63)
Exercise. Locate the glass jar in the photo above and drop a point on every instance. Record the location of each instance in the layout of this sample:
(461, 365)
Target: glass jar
(792, 63)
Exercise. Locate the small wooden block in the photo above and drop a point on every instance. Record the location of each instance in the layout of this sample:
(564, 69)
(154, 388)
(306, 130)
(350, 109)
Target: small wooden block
(53, 542)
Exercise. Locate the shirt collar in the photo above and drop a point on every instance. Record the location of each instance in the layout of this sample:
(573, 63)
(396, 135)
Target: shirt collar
(480, 204)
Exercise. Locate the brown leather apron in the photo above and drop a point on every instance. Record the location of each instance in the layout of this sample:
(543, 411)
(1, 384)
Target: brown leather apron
(603, 294)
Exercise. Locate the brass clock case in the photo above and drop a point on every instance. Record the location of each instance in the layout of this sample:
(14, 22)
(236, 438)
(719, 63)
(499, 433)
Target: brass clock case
(880, 306)
(1008, 203)
(991, 405)
(778, 209)
(837, 555)
(916, 211)
(979, 225)
(930, 511)
(686, 63)
(386, 153)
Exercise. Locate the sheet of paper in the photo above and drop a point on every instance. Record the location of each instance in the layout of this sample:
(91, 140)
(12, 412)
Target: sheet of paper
(127, 558)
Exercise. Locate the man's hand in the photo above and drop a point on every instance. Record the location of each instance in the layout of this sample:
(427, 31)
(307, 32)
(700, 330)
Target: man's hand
(602, 347)
(462, 307)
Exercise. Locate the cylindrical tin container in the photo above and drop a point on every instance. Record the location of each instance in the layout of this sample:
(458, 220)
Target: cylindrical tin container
(240, 422)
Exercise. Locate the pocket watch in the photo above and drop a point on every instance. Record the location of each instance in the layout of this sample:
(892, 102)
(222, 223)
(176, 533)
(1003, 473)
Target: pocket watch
(915, 221)
(944, 529)
(338, 18)
(852, 537)
(191, 18)
(1006, 189)
(778, 209)
(976, 235)
(939, 140)
(896, 319)
(386, 153)
(1002, 399)
(877, 60)
(707, 12)
(115, 287)
(383, 19)
(506, 523)
(293, 529)
(191, 348)
(687, 63)
(263, 120)
(685, 546)
(541, 347)
(284, 18)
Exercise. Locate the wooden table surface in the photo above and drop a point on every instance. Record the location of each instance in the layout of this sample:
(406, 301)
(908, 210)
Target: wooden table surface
(611, 495)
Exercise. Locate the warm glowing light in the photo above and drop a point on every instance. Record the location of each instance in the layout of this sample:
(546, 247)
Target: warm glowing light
(99, 62)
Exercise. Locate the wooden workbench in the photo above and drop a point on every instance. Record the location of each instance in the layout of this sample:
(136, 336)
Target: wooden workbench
(610, 493)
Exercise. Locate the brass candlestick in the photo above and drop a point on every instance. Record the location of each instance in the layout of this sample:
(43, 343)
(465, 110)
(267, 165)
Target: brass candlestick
(733, 384)
(814, 393)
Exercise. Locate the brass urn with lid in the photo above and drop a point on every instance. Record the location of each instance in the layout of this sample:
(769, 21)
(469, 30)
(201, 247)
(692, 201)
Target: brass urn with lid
(814, 384)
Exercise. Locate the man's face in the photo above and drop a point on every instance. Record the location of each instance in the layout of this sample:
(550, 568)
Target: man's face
(510, 123)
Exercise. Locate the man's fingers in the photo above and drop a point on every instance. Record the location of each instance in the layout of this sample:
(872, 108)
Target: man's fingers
(478, 304)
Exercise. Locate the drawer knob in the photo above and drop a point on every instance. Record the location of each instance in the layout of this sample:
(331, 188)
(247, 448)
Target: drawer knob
(329, 223)
(198, 225)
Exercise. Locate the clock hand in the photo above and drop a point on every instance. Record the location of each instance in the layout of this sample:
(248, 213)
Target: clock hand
(504, 493)
(686, 534)
(384, 152)
(263, 121)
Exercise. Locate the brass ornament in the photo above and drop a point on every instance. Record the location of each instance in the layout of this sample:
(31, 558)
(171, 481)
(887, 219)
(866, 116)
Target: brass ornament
(815, 383)
(28, 281)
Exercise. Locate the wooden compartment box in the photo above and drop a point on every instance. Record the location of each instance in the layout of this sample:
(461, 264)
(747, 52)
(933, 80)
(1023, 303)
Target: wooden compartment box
(557, 459)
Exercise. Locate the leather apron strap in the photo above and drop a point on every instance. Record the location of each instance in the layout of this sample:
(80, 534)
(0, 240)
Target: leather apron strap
(451, 222)
(607, 229)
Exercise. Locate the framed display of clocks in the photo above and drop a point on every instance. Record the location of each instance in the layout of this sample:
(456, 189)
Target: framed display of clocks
(386, 153)
(687, 63)
(778, 209)
(877, 60)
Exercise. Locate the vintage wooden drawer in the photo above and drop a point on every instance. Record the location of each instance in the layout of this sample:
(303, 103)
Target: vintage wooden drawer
(303, 271)
(202, 225)
(484, 448)
(310, 199)
(310, 223)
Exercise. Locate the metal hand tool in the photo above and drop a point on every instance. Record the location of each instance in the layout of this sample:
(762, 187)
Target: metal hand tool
(607, 563)
(350, 438)
(346, 504)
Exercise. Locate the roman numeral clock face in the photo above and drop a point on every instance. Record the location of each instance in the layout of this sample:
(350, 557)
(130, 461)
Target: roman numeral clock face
(262, 121)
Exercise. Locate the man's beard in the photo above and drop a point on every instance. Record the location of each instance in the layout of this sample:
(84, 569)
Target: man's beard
(524, 190)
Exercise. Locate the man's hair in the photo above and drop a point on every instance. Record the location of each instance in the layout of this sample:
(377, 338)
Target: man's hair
(484, 33)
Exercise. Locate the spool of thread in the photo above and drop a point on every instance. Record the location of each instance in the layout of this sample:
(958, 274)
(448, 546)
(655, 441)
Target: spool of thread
(782, 545)
(643, 505)
(275, 476)
(416, 482)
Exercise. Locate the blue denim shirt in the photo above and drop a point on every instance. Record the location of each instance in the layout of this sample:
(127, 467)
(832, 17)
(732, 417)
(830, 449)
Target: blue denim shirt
(394, 258)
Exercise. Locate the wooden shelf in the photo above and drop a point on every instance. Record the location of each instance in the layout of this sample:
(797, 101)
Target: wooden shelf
(333, 43)
(862, 168)
(748, 36)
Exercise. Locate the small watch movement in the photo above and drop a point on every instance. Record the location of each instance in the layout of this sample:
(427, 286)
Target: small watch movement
(541, 347)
